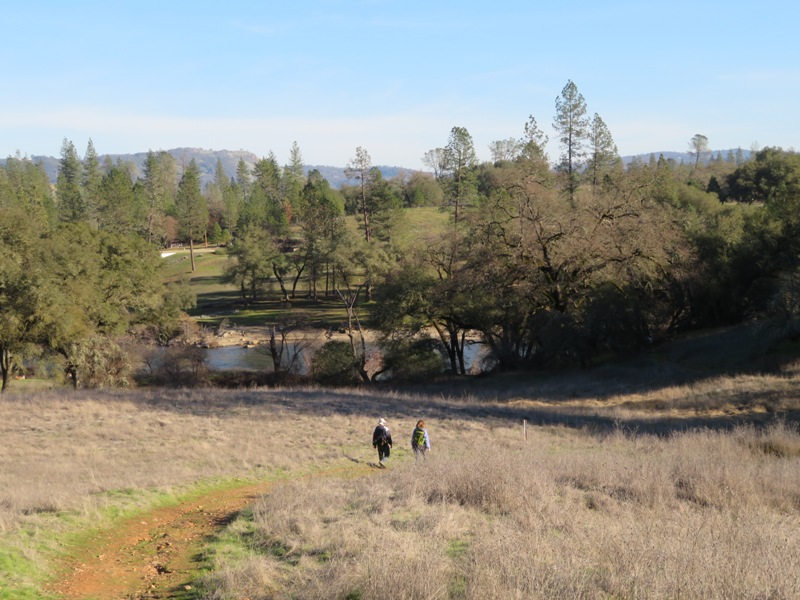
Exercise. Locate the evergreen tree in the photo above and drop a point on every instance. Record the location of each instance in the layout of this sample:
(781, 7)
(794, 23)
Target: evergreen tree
(359, 168)
(19, 290)
(293, 180)
(460, 184)
(116, 211)
(28, 187)
(264, 206)
(243, 179)
(215, 195)
(191, 207)
(92, 176)
(159, 189)
(572, 126)
(322, 226)
(252, 255)
(71, 204)
(533, 141)
(603, 151)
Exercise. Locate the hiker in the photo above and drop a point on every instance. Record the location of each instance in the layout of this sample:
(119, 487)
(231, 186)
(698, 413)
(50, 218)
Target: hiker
(420, 442)
(382, 440)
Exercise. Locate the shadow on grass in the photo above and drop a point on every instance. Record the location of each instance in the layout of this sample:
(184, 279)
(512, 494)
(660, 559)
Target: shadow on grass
(464, 401)
(716, 381)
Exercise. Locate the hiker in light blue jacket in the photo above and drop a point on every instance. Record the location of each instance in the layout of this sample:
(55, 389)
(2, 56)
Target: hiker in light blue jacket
(420, 442)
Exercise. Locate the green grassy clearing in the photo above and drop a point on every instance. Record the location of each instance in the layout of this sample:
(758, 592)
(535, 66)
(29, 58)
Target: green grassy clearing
(218, 301)
(418, 224)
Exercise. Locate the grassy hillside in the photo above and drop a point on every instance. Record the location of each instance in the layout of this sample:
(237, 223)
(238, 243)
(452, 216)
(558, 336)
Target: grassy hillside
(618, 490)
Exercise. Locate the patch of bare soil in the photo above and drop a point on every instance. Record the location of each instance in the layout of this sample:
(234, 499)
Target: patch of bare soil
(153, 555)
(158, 554)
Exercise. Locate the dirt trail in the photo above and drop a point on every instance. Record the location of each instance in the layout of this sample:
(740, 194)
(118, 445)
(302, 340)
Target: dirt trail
(155, 555)
(152, 555)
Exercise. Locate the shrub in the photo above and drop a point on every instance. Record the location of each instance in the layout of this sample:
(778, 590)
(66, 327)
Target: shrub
(333, 365)
(183, 366)
(415, 360)
(100, 363)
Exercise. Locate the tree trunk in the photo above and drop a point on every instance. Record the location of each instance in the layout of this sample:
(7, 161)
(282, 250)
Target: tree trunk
(360, 362)
(191, 252)
(253, 285)
(297, 279)
(279, 279)
(275, 353)
(460, 352)
(5, 367)
(72, 375)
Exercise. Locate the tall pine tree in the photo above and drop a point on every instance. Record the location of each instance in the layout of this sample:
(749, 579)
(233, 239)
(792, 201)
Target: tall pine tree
(71, 204)
(603, 155)
(572, 126)
(191, 207)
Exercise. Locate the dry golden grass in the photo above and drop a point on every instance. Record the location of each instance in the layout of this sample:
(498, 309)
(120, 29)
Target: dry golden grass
(622, 490)
(566, 515)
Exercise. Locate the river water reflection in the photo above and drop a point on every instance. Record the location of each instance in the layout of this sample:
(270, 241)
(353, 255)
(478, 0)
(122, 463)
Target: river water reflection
(237, 358)
(241, 358)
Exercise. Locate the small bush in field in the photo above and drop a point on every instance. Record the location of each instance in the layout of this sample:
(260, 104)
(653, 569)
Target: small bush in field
(100, 363)
(183, 366)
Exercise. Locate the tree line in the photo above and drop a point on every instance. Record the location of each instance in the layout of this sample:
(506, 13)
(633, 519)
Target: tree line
(546, 262)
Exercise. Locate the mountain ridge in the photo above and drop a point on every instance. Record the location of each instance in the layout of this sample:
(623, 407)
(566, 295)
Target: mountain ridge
(206, 160)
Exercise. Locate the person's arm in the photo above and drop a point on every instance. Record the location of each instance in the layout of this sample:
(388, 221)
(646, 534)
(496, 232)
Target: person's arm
(427, 441)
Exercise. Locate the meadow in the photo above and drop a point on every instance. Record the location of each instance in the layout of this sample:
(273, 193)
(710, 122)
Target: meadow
(585, 485)
(218, 300)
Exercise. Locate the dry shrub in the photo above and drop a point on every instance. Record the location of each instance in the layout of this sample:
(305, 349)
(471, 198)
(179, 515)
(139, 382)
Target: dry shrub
(778, 439)
(342, 539)
(254, 577)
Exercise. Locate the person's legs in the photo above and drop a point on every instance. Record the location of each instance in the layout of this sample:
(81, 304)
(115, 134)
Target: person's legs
(383, 454)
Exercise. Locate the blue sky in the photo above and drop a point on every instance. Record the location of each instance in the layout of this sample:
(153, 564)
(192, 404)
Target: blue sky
(391, 76)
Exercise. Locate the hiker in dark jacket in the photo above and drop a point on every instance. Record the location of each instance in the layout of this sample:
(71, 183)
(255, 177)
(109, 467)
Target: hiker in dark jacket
(382, 440)
(420, 443)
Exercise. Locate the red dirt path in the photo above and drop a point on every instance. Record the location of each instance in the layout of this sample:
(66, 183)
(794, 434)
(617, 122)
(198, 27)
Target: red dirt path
(155, 555)
(152, 555)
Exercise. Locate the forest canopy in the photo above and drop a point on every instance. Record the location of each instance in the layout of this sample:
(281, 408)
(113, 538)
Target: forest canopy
(548, 262)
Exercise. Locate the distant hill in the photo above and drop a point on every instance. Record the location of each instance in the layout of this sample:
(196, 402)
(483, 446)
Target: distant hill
(683, 157)
(207, 163)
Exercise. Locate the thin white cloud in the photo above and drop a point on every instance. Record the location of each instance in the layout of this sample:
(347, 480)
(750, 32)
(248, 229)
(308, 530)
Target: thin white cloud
(763, 76)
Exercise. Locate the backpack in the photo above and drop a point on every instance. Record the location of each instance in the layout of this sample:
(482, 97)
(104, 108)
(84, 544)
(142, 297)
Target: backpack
(419, 438)
(381, 435)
